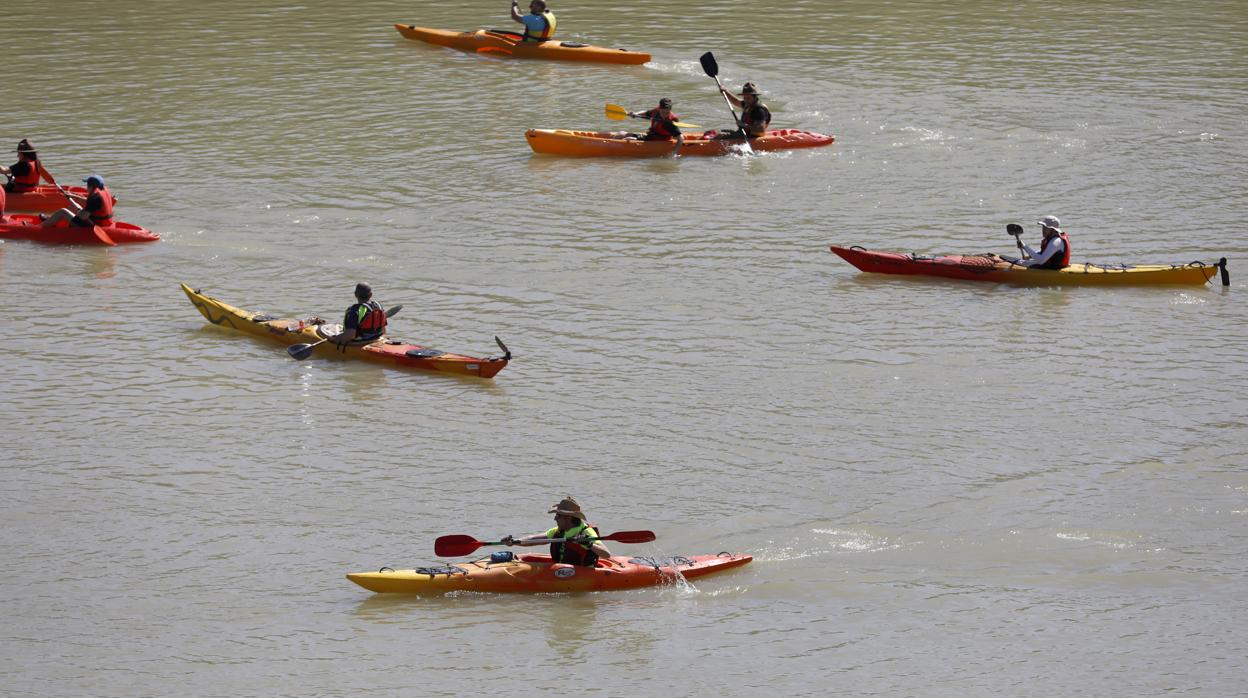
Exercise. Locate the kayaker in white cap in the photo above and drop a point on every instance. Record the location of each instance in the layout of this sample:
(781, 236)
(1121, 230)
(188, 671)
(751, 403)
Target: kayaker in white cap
(570, 524)
(1054, 252)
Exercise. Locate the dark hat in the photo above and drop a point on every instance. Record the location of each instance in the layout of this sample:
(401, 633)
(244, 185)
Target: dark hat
(568, 507)
(24, 146)
(749, 89)
(665, 103)
(363, 291)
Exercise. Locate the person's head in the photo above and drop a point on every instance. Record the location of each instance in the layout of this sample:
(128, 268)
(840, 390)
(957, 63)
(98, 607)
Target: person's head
(567, 513)
(665, 104)
(749, 92)
(363, 291)
(25, 150)
(537, 7)
(94, 182)
(1050, 225)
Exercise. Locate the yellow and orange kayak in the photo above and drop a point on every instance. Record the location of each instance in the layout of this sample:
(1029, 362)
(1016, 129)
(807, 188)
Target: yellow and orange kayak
(538, 574)
(1001, 270)
(588, 144)
(504, 43)
(388, 351)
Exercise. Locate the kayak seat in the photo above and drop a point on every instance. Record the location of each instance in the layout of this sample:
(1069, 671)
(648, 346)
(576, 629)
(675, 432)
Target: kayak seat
(424, 353)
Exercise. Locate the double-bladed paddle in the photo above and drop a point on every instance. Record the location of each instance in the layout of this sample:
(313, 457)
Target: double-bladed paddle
(617, 113)
(299, 352)
(460, 545)
(712, 69)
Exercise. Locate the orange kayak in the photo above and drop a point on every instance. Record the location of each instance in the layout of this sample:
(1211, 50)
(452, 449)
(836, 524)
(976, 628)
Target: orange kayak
(538, 574)
(504, 43)
(587, 144)
(27, 227)
(1001, 270)
(44, 199)
(288, 331)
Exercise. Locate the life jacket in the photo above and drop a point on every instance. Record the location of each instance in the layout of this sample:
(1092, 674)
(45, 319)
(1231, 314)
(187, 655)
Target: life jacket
(573, 553)
(664, 128)
(548, 32)
(372, 320)
(754, 120)
(104, 214)
(1058, 261)
(28, 180)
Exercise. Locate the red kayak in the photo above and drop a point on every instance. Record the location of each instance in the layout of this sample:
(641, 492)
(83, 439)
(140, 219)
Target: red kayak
(22, 227)
(44, 199)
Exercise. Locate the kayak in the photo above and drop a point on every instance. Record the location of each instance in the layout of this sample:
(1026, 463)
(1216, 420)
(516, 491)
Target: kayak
(385, 350)
(26, 227)
(43, 199)
(505, 43)
(606, 144)
(1003, 270)
(539, 574)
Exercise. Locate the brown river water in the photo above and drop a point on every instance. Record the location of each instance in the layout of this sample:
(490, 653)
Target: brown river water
(949, 489)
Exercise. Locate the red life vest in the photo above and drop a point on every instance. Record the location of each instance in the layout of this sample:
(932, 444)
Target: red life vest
(1058, 261)
(27, 180)
(755, 119)
(104, 214)
(659, 125)
(373, 324)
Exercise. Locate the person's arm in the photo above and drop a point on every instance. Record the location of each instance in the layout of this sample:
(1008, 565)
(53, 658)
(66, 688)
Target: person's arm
(526, 541)
(1039, 259)
(46, 176)
(515, 12)
(349, 327)
(736, 101)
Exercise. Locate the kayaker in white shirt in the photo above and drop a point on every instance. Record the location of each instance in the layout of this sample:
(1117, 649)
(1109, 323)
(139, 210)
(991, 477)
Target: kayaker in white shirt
(1054, 252)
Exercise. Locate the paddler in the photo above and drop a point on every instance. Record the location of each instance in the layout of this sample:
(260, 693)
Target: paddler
(96, 210)
(662, 124)
(539, 24)
(27, 171)
(755, 116)
(1054, 252)
(364, 322)
(570, 525)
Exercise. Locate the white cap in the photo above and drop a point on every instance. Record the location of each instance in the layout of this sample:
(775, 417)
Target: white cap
(1051, 222)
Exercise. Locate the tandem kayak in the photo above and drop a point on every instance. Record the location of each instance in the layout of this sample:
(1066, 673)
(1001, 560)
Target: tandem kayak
(43, 199)
(25, 227)
(504, 43)
(539, 574)
(1004, 270)
(606, 144)
(385, 350)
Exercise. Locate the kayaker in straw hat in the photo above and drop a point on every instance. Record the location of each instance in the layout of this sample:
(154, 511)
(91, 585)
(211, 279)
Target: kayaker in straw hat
(27, 171)
(755, 116)
(1054, 252)
(364, 322)
(539, 24)
(571, 526)
(96, 210)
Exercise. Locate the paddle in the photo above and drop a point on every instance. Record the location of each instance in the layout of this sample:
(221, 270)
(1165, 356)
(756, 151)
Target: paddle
(460, 545)
(100, 233)
(617, 113)
(299, 352)
(712, 69)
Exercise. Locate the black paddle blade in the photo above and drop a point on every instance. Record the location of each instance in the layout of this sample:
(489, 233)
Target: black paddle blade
(299, 352)
(709, 64)
(1014, 229)
(1226, 276)
(506, 351)
(394, 311)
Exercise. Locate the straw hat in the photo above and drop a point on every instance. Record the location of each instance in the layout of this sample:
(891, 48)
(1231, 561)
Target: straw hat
(568, 507)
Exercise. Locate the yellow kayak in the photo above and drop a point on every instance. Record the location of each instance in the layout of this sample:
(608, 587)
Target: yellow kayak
(504, 43)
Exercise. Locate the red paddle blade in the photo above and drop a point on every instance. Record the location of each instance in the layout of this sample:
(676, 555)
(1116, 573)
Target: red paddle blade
(455, 546)
(631, 537)
(103, 236)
